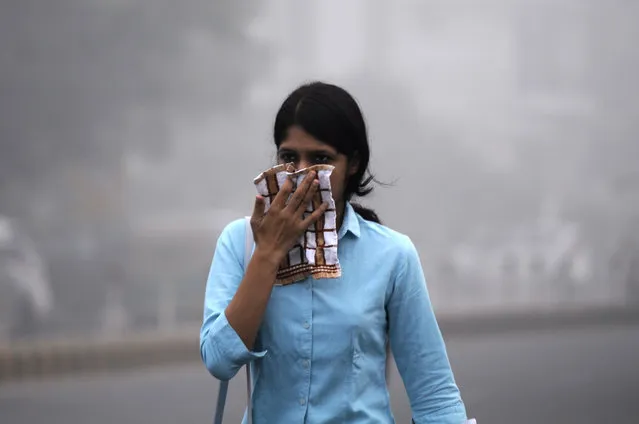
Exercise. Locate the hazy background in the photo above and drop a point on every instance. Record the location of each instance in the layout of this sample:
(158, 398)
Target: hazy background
(130, 132)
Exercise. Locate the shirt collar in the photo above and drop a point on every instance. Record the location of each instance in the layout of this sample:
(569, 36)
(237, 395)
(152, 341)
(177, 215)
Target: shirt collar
(350, 223)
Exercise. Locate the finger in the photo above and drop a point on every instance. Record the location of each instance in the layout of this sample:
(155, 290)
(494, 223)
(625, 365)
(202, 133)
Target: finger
(308, 197)
(279, 201)
(301, 191)
(258, 208)
(315, 216)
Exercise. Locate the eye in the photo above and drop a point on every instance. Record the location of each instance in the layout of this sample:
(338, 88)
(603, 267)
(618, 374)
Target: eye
(286, 157)
(322, 159)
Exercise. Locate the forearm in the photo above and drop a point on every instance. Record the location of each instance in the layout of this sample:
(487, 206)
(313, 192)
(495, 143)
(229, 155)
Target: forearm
(246, 309)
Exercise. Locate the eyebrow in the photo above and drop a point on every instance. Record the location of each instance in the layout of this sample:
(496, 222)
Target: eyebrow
(313, 152)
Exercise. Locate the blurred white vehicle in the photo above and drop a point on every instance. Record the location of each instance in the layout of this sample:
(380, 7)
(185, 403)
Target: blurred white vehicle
(26, 298)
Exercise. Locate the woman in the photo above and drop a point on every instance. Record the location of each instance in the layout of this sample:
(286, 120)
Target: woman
(319, 346)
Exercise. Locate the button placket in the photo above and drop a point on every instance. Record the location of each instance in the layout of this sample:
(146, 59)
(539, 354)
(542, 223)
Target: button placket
(305, 360)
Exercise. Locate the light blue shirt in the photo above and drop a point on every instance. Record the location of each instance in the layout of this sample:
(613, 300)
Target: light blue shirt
(320, 354)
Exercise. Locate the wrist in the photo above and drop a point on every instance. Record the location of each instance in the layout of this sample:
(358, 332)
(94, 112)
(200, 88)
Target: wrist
(269, 257)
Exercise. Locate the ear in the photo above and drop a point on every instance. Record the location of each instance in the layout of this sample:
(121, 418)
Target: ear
(353, 165)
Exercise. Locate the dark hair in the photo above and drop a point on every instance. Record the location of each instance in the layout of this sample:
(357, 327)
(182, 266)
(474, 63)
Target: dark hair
(330, 114)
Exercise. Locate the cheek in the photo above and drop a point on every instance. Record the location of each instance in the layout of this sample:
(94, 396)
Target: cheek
(337, 185)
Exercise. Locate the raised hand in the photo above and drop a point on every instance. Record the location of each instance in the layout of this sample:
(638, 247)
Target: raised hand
(280, 227)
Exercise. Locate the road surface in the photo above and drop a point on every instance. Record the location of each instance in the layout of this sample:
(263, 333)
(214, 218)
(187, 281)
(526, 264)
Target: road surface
(569, 376)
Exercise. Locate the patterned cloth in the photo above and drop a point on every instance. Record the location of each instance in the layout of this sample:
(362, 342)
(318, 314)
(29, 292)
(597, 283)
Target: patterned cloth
(315, 254)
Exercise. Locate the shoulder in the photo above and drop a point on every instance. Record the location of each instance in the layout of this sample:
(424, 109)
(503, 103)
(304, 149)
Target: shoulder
(375, 233)
(232, 236)
(393, 243)
(396, 256)
(234, 229)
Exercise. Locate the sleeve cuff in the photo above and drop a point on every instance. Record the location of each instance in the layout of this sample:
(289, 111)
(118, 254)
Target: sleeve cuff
(455, 414)
(222, 350)
(231, 344)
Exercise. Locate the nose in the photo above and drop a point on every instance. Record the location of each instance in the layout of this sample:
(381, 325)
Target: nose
(303, 163)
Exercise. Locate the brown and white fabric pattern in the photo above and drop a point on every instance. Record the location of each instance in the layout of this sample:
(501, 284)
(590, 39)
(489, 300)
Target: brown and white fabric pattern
(315, 254)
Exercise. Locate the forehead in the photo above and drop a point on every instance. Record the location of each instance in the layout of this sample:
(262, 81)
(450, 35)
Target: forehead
(299, 140)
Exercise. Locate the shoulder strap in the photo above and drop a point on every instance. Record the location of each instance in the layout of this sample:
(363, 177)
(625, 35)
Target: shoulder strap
(224, 385)
(248, 241)
(248, 252)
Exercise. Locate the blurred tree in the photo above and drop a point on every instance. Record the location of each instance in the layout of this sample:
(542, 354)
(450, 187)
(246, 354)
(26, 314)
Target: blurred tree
(73, 72)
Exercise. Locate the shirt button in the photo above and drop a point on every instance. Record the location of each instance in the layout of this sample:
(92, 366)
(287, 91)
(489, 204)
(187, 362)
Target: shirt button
(306, 363)
(307, 325)
(302, 401)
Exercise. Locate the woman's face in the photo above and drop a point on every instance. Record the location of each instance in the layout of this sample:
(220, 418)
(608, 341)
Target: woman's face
(304, 150)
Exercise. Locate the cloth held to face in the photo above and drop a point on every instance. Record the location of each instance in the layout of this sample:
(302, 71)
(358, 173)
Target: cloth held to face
(315, 253)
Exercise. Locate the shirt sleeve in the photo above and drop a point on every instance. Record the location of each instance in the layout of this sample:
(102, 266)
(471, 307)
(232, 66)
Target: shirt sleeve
(418, 346)
(221, 348)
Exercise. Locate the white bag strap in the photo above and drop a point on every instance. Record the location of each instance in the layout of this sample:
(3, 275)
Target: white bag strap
(248, 251)
(224, 385)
